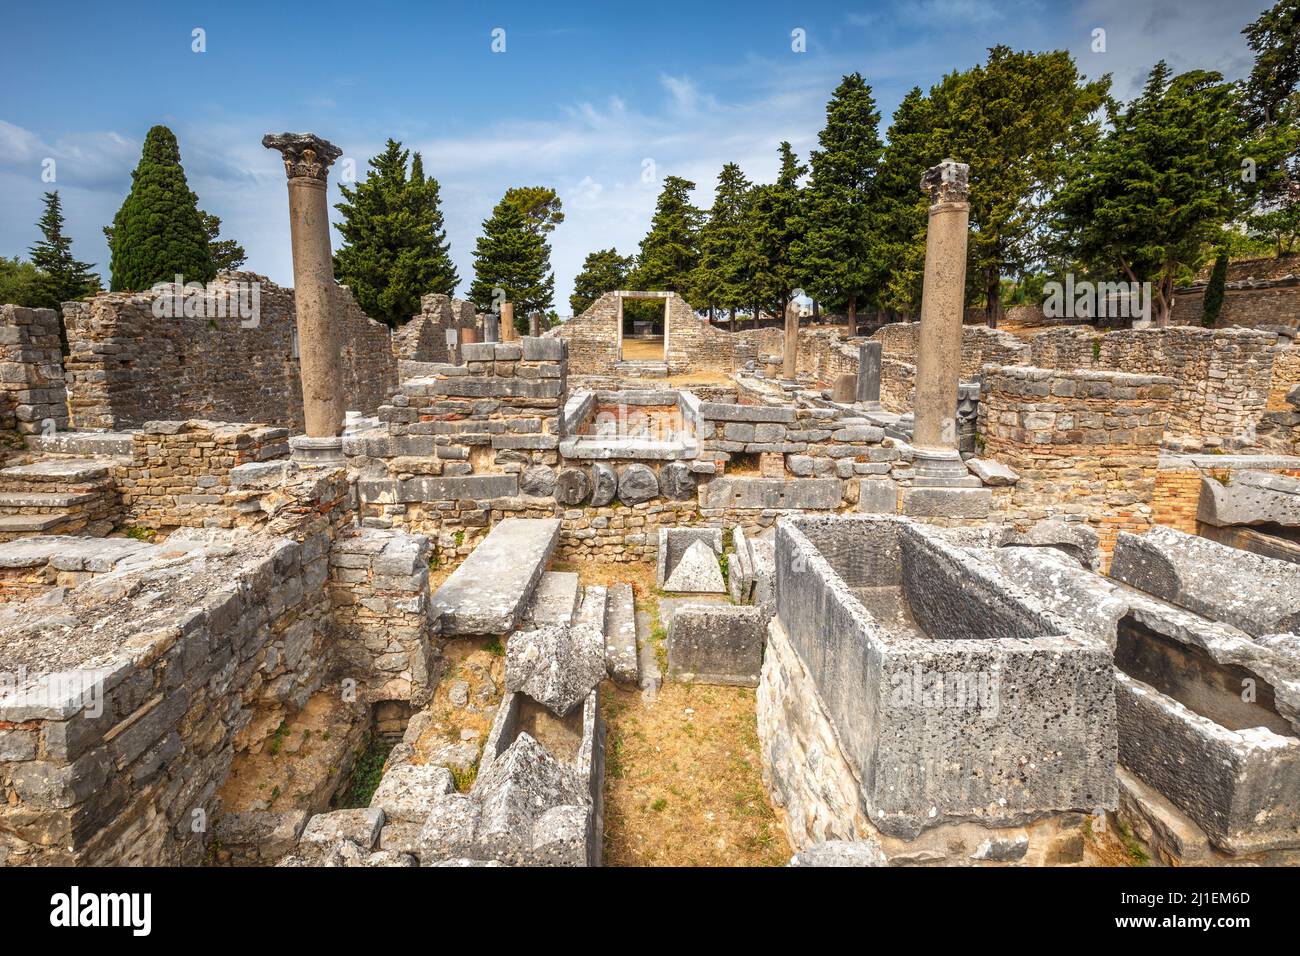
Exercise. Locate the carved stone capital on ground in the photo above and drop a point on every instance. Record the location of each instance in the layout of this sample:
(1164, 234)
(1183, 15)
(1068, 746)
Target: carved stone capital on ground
(947, 182)
(305, 154)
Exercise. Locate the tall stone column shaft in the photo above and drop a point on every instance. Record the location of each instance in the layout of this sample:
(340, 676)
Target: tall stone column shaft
(508, 331)
(790, 343)
(307, 159)
(943, 300)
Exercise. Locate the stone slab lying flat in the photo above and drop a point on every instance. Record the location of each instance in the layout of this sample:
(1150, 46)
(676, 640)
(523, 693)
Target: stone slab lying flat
(63, 470)
(556, 599)
(487, 594)
(620, 636)
(1251, 497)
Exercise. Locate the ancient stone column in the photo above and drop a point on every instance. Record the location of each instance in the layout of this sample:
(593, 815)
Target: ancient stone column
(307, 159)
(491, 327)
(508, 332)
(790, 354)
(943, 296)
(868, 392)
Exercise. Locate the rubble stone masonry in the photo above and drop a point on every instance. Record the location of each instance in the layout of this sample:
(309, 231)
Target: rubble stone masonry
(31, 371)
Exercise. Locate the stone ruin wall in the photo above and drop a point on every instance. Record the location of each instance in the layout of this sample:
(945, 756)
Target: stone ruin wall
(31, 372)
(1086, 444)
(693, 345)
(1252, 305)
(424, 338)
(1286, 376)
(128, 367)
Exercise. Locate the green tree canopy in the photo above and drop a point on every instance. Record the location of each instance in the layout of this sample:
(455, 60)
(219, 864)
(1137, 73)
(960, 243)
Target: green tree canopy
(602, 271)
(540, 205)
(512, 256)
(61, 278)
(20, 283)
(773, 224)
(670, 252)
(839, 227)
(1016, 120)
(721, 279)
(395, 247)
(227, 254)
(158, 233)
(1274, 38)
(902, 206)
(1150, 200)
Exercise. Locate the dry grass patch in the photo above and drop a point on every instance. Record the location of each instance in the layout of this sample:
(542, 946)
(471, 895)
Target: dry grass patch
(683, 785)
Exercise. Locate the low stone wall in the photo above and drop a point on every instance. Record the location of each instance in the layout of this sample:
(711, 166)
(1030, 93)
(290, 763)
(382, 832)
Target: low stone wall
(693, 345)
(1222, 377)
(424, 338)
(32, 393)
(384, 619)
(180, 471)
(128, 366)
(1083, 443)
(1286, 376)
(117, 738)
(1251, 305)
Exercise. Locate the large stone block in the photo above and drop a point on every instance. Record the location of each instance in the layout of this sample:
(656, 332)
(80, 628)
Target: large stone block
(799, 494)
(717, 644)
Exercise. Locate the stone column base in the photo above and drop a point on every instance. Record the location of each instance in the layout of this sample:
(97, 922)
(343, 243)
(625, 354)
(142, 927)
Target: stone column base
(309, 452)
(943, 468)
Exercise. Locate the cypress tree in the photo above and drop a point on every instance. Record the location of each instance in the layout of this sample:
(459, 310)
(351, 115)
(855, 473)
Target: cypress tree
(61, 277)
(902, 206)
(670, 250)
(773, 225)
(158, 233)
(722, 280)
(1213, 300)
(835, 252)
(512, 256)
(395, 247)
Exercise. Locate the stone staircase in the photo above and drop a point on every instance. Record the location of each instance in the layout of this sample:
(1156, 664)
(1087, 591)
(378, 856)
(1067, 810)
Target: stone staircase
(67, 489)
(57, 495)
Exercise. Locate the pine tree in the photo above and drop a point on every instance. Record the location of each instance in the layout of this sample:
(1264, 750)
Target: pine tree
(158, 233)
(227, 254)
(61, 277)
(540, 205)
(721, 279)
(1147, 202)
(1274, 37)
(395, 247)
(1017, 120)
(838, 226)
(513, 257)
(602, 271)
(900, 244)
(772, 228)
(670, 251)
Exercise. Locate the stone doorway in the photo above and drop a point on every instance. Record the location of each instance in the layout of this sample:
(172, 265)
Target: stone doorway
(643, 338)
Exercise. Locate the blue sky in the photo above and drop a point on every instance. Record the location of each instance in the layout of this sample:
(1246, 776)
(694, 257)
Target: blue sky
(583, 96)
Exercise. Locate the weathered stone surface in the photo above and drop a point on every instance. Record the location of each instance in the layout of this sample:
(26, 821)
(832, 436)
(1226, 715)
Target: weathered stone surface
(676, 481)
(528, 809)
(717, 644)
(620, 635)
(537, 481)
(637, 483)
(556, 599)
(878, 496)
(1257, 594)
(992, 473)
(697, 571)
(556, 665)
(672, 544)
(801, 494)
(488, 592)
(604, 484)
(407, 792)
(572, 486)
(1075, 538)
(356, 826)
(841, 853)
(1251, 497)
(947, 502)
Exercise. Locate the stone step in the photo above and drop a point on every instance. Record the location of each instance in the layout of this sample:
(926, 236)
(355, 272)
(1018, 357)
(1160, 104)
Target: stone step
(595, 600)
(13, 525)
(62, 471)
(83, 444)
(488, 593)
(45, 499)
(556, 599)
(620, 636)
